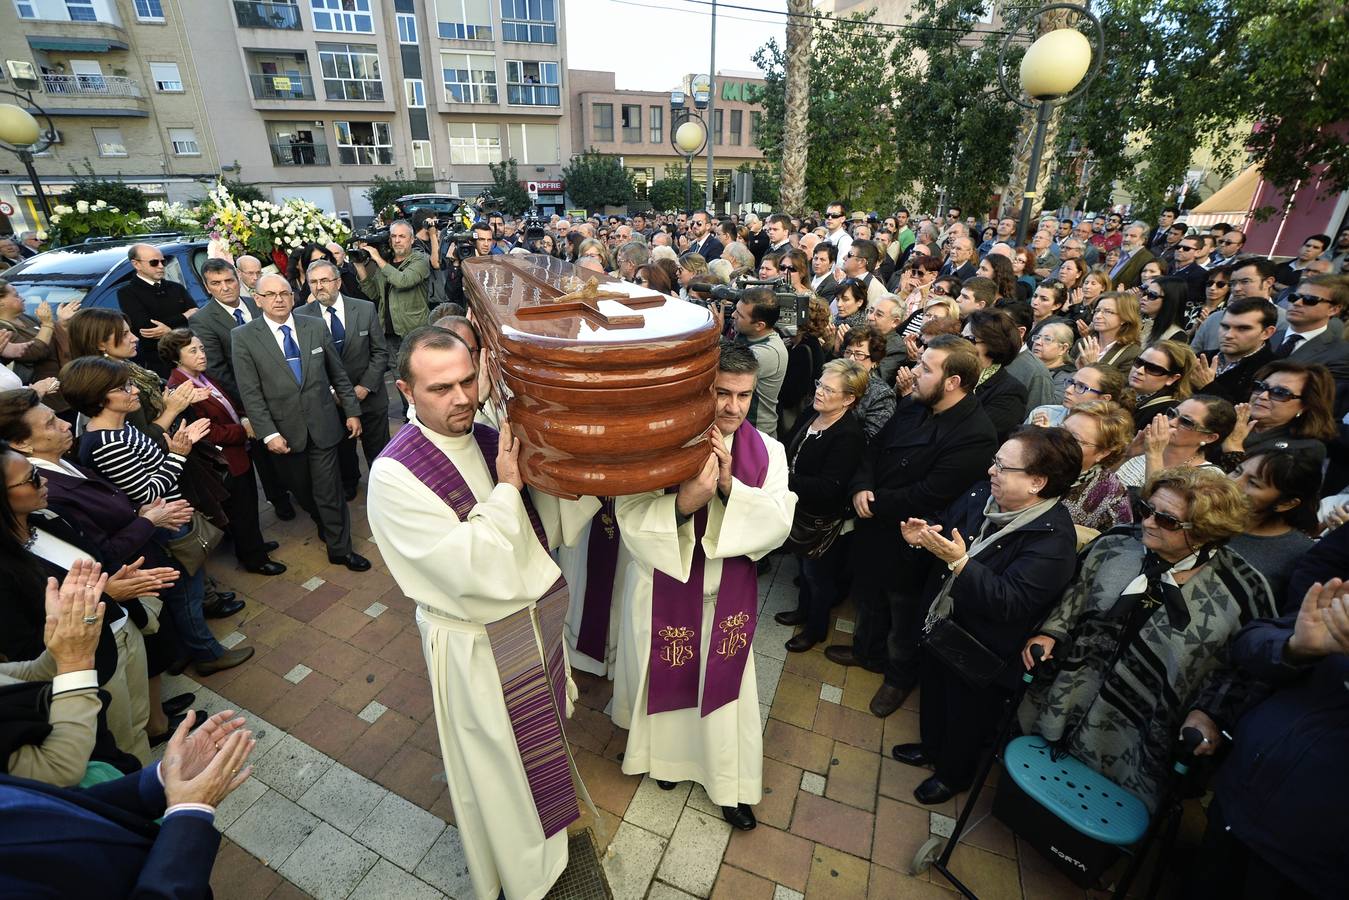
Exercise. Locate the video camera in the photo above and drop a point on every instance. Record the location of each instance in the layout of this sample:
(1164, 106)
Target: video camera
(375, 237)
(793, 308)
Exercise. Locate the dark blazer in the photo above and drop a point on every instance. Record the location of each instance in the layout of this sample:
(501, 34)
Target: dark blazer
(1234, 385)
(1128, 277)
(758, 245)
(101, 512)
(230, 436)
(967, 271)
(1155, 405)
(821, 466)
(711, 248)
(365, 355)
(1325, 349)
(828, 288)
(275, 403)
(165, 302)
(1003, 398)
(1007, 590)
(213, 326)
(102, 842)
(1196, 277)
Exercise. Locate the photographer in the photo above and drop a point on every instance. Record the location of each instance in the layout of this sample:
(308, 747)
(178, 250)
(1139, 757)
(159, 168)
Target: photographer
(427, 240)
(399, 287)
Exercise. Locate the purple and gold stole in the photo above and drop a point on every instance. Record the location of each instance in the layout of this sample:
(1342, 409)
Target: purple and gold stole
(677, 610)
(601, 566)
(533, 688)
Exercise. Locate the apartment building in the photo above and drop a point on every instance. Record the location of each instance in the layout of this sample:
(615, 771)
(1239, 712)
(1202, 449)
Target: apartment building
(117, 79)
(636, 126)
(315, 98)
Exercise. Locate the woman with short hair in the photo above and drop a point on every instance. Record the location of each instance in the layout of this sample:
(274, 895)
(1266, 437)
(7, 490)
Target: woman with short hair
(997, 342)
(1051, 346)
(866, 347)
(1093, 382)
(1098, 500)
(1292, 406)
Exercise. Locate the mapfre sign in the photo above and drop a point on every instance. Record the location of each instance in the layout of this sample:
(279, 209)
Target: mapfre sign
(543, 187)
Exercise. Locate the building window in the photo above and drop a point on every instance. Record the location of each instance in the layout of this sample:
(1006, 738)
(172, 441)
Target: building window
(716, 126)
(421, 154)
(469, 77)
(632, 123)
(109, 141)
(414, 92)
(474, 143)
(350, 72)
(464, 20)
(529, 21)
(343, 15)
(656, 114)
(82, 11)
(150, 10)
(184, 142)
(532, 83)
(167, 78)
(25, 9)
(603, 116)
(363, 143)
(407, 28)
(641, 180)
(737, 125)
(535, 144)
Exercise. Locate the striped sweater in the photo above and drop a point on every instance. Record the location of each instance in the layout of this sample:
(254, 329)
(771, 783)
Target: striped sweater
(133, 462)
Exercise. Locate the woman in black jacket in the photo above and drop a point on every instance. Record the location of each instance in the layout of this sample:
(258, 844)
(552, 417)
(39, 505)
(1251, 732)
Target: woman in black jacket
(823, 454)
(1000, 559)
(997, 342)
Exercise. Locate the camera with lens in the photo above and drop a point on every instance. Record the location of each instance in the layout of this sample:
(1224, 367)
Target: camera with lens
(374, 237)
(793, 308)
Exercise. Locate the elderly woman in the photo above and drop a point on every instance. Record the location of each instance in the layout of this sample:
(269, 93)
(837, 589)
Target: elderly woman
(591, 253)
(1143, 633)
(1051, 346)
(823, 454)
(1094, 382)
(740, 258)
(1097, 500)
(997, 342)
(229, 431)
(1160, 377)
(1188, 435)
(1281, 489)
(995, 568)
(1292, 406)
(41, 336)
(866, 347)
(1115, 327)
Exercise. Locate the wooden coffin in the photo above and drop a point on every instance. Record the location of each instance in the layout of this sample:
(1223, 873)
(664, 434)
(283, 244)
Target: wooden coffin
(607, 384)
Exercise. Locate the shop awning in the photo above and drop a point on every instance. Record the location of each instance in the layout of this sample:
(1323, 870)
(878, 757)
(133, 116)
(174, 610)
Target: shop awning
(75, 44)
(1235, 196)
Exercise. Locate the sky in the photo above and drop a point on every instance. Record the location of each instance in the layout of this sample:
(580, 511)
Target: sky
(651, 44)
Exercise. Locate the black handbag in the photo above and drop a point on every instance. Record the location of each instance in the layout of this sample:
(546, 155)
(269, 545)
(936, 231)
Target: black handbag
(812, 536)
(962, 652)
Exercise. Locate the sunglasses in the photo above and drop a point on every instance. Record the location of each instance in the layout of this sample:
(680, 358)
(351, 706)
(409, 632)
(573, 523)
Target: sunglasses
(1229, 243)
(34, 480)
(1307, 299)
(1153, 295)
(834, 216)
(1185, 422)
(1143, 510)
(786, 268)
(152, 262)
(1152, 368)
(1276, 393)
(1187, 248)
(940, 292)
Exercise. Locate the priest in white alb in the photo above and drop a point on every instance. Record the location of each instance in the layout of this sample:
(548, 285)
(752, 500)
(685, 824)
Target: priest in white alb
(471, 546)
(593, 569)
(690, 606)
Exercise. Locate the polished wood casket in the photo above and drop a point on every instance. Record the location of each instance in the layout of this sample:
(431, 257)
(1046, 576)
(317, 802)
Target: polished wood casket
(608, 385)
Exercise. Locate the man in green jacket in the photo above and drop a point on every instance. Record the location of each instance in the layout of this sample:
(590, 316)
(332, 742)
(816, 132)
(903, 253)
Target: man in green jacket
(400, 287)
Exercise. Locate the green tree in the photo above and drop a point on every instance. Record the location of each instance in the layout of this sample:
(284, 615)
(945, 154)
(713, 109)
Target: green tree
(240, 191)
(506, 187)
(113, 191)
(386, 190)
(666, 194)
(595, 180)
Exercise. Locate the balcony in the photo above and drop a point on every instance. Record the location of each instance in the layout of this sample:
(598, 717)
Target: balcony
(363, 90)
(91, 86)
(533, 95)
(281, 16)
(281, 87)
(299, 153)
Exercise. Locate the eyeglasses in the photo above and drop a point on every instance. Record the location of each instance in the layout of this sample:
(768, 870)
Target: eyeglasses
(128, 388)
(1152, 368)
(34, 480)
(1307, 299)
(859, 355)
(1276, 393)
(1229, 242)
(1143, 510)
(1185, 422)
(152, 262)
(821, 386)
(273, 295)
(940, 292)
(1081, 388)
(1000, 468)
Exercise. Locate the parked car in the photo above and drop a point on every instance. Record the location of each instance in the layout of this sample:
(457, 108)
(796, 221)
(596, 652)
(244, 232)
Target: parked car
(95, 271)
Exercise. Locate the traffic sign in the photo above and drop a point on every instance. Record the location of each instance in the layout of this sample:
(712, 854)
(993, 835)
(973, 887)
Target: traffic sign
(6, 209)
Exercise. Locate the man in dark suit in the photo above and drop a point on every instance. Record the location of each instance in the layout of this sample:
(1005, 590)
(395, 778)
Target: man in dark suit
(288, 372)
(1132, 257)
(1157, 241)
(702, 239)
(822, 280)
(1188, 268)
(1246, 327)
(938, 443)
(102, 842)
(213, 324)
(360, 344)
(960, 261)
(153, 305)
(1308, 337)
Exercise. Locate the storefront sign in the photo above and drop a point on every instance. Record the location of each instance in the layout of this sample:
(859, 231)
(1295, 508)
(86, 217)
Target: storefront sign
(543, 187)
(746, 91)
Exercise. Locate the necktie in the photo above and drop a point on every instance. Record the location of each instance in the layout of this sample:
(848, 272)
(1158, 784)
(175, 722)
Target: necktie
(336, 327)
(292, 351)
(1288, 346)
(239, 317)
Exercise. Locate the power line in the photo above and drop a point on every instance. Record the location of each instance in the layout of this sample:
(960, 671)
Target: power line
(907, 26)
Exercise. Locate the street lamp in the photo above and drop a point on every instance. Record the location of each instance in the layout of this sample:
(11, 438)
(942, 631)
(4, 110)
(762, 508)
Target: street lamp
(1055, 70)
(21, 135)
(688, 136)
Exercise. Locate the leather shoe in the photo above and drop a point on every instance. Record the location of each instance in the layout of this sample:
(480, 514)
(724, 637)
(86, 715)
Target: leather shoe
(801, 643)
(227, 660)
(791, 617)
(911, 755)
(269, 546)
(741, 816)
(353, 561)
(285, 511)
(666, 785)
(841, 654)
(270, 567)
(933, 791)
(222, 609)
(174, 705)
(174, 722)
(351, 492)
(887, 699)
(214, 598)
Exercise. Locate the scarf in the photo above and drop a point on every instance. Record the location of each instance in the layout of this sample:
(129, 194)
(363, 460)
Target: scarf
(151, 388)
(1155, 586)
(987, 374)
(216, 393)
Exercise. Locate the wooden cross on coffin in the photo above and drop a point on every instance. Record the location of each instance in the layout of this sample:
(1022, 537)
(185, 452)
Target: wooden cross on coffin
(584, 303)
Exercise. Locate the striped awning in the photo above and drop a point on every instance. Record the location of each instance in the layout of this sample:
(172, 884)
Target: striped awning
(75, 44)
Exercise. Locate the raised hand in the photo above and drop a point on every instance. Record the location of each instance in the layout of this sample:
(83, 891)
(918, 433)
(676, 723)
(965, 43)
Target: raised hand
(1156, 435)
(222, 773)
(43, 313)
(723, 463)
(1204, 371)
(66, 311)
(1089, 351)
(74, 619)
(131, 581)
(1322, 624)
(905, 380)
(1236, 441)
(912, 530)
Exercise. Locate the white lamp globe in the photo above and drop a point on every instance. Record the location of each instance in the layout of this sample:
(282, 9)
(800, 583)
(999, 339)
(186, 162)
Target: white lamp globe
(689, 137)
(1055, 64)
(17, 127)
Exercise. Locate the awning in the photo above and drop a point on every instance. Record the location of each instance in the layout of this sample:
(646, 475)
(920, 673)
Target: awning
(1235, 196)
(76, 44)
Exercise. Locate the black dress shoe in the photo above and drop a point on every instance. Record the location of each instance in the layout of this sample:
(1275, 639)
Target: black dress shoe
(666, 785)
(741, 817)
(911, 755)
(353, 561)
(801, 643)
(270, 567)
(222, 609)
(174, 705)
(284, 510)
(791, 617)
(269, 546)
(174, 722)
(351, 492)
(887, 699)
(841, 654)
(933, 791)
(219, 597)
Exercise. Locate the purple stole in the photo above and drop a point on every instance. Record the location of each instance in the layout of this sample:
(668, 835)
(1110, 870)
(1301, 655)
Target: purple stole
(677, 610)
(601, 563)
(532, 687)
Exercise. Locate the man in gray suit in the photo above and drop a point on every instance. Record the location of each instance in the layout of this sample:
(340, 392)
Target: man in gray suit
(288, 373)
(360, 344)
(1310, 335)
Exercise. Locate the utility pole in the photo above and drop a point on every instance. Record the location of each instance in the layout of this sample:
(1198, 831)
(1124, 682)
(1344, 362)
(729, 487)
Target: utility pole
(711, 106)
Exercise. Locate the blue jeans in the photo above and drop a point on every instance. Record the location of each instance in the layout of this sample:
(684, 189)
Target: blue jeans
(183, 602)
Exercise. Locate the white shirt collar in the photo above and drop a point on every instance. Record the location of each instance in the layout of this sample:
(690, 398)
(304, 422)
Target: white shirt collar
(59, 466)
(229, 310)
(148, 281)
(337, 305)
(1306, 336)
(276, 326)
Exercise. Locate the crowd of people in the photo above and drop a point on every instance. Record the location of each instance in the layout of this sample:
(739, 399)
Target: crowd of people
(1125, 444)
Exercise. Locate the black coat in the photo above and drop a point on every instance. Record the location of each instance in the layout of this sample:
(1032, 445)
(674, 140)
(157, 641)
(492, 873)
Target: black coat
(1004, 593)
(1003, 397)
(1234, 385)
(820, 467)
(165, 302)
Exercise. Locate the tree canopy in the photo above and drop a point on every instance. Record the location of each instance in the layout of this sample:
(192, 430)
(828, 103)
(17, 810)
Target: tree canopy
(595, 180)
(506, 187)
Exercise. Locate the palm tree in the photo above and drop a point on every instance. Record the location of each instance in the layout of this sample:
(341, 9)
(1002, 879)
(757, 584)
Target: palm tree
(795, 142)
